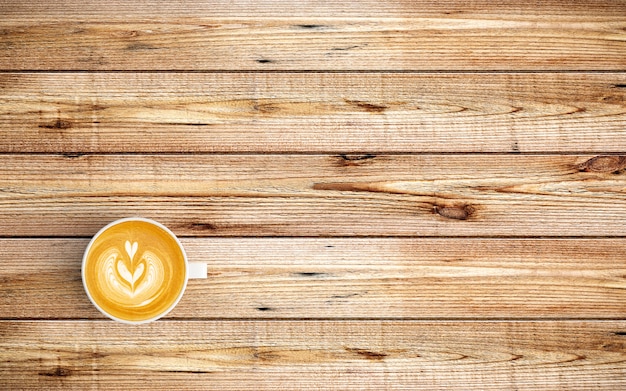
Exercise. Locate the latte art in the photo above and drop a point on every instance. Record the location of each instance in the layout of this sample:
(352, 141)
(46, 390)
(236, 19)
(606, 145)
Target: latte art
(134, 270)
(129, 277)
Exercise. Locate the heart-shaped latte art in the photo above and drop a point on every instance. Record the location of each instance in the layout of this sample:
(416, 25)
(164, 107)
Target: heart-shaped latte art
(136, 276)
(131, 250)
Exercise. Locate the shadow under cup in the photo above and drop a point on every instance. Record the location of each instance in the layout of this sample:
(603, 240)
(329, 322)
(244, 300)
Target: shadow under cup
(134, 270)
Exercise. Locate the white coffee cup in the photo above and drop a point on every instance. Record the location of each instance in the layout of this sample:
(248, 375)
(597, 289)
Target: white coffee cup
(135, 270)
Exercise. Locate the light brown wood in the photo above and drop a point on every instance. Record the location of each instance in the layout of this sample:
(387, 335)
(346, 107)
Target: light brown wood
(320, 195)
(390, 195)
(347, 278)
(368, 355)
(455, 37)
(122, 10)
(287, 112)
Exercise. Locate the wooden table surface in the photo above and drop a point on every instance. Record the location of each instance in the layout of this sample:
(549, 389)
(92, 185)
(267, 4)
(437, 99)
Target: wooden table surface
(389, 195)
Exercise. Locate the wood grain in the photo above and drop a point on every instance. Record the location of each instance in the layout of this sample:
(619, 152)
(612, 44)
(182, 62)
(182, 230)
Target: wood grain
(122, 10)
(287, 112)
(396, 195)
(459, 37)
(368, 355)
(317, 195)
(347, 278)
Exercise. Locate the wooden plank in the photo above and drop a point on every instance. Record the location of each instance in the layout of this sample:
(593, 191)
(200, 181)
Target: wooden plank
(454, 36)
(287, 112)
(122, 10)
(347, 278)
(368, 355)
(317, 195)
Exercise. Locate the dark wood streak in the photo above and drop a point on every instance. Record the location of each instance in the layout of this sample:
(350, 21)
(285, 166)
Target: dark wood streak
(57, 372)
(367, 106)
(201, 226)
(140, 46)
(58, 124)
(367, 354)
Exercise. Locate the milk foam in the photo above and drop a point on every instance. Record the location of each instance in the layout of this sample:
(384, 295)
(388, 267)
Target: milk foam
(129, 279)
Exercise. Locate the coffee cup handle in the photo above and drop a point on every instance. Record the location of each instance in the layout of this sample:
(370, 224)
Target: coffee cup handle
(196, 270)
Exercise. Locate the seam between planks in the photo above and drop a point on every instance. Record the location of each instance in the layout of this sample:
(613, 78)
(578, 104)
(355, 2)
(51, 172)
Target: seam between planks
(341, 319)
(451, 237)
(75, 154)
(301, 71)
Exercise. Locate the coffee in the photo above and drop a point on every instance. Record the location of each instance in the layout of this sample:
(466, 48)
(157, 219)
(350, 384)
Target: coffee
(134, 270)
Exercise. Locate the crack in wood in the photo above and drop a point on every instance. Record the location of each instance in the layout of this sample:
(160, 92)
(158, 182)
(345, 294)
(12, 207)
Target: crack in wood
(311, 26)
(312, 274)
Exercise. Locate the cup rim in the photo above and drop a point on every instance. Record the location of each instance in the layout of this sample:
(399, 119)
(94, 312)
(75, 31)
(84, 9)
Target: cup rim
(149, 221)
